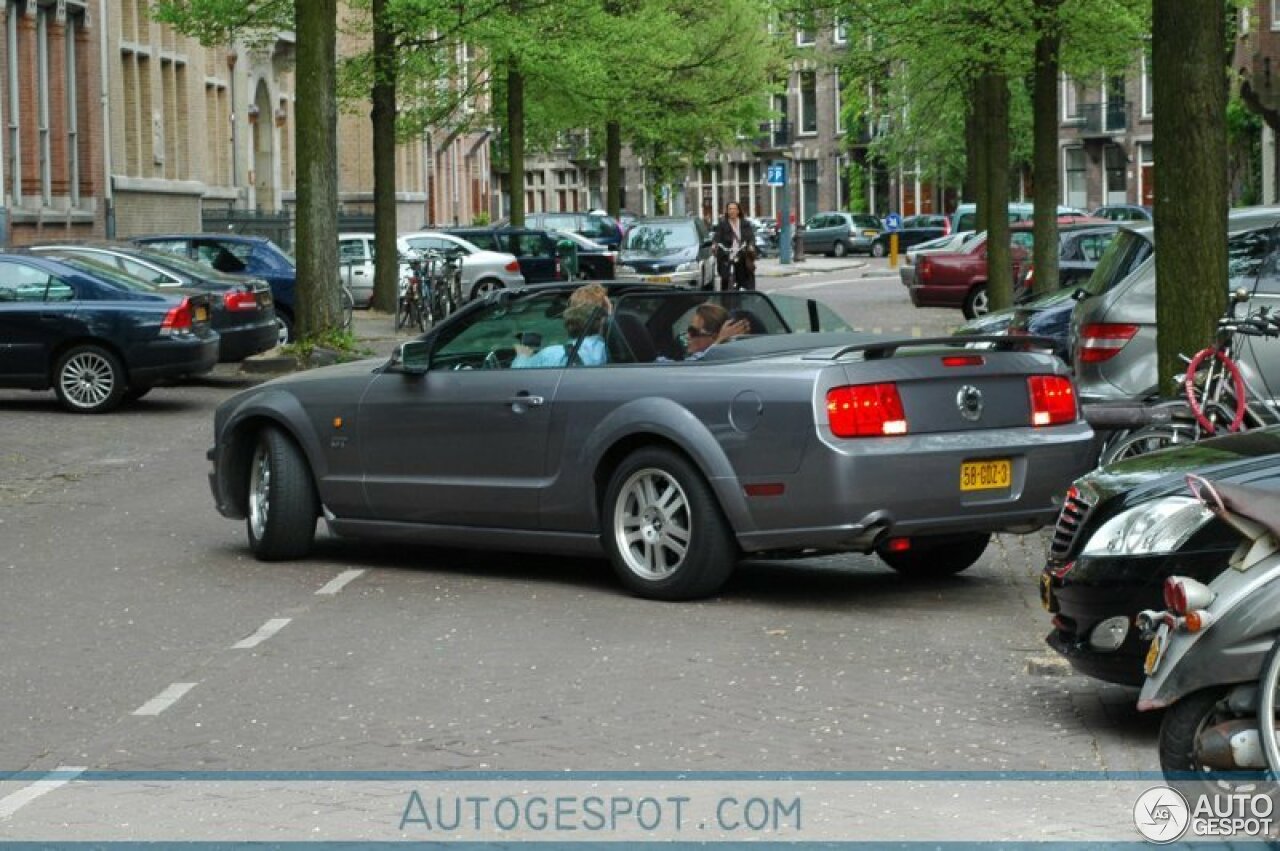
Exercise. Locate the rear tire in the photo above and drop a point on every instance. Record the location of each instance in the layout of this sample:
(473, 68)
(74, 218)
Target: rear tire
(89, 379)
(663, 528)
(946, 556)
(485, 286)
(878, 249)
(839, 249)
(1181, 726)
(977, 303)
(281, 499)
(284, 328)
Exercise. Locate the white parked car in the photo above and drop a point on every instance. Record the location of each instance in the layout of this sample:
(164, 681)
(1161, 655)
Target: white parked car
(355, 263)
(482, 271)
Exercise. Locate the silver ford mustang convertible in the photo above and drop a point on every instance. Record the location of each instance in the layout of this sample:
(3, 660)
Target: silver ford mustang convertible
(634, 430)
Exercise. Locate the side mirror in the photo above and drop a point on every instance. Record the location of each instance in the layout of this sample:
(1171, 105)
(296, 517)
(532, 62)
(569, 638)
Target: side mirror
(412, 358)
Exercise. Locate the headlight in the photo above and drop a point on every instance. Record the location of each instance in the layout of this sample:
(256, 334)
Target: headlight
(687, 267)
(626, 270)
(1160, 526)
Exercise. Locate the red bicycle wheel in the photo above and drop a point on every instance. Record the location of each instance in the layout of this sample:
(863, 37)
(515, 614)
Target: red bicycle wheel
(1196, 399)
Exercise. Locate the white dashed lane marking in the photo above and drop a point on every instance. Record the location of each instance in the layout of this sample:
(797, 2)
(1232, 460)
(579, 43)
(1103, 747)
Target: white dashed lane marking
(164, 699)
(337, 583)
(264, 632)
(60, 776)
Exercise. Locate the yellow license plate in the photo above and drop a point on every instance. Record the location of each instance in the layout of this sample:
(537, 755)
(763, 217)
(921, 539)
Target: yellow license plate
(1156, 650)
(657, 279)
(986, 475)
(202, 313)
(1045, 594)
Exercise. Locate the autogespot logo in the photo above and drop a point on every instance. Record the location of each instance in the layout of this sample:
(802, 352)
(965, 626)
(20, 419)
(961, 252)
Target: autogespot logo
(1161, 815)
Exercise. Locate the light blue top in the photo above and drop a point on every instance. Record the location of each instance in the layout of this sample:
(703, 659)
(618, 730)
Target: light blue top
(591, 352)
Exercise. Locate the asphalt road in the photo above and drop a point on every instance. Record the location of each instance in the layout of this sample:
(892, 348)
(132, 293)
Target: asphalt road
(139, 634)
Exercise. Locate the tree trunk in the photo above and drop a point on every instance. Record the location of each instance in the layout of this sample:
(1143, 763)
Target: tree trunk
(613, 168)
(1190, 175)
(1045, 156)
(515, 139)
(386, 261)
(978, 160)
(999, 261)
(317, 159)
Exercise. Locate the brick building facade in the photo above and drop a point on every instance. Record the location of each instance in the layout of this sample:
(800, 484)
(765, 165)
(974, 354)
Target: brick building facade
(51, 162)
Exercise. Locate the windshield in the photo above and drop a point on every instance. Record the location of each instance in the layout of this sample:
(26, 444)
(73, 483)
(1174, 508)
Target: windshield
(1120, 258)
(661, 239)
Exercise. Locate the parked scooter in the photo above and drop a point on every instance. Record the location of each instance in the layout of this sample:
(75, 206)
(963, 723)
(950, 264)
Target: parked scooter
(1209, 647)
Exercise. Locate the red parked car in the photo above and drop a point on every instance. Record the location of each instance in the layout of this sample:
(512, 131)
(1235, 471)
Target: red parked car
(959, 279)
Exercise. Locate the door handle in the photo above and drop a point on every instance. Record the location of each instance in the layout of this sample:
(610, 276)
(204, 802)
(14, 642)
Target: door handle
(526, 399)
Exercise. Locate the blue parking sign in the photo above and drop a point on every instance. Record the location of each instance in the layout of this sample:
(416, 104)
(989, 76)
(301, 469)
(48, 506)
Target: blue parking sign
(893, 222)
(776, 173)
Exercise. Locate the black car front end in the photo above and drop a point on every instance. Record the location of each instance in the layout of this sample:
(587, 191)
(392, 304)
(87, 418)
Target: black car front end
(1123, 529)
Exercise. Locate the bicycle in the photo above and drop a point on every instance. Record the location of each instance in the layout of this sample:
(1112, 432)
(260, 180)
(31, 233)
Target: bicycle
(1218, 396)
(346, 306)
(411, 308)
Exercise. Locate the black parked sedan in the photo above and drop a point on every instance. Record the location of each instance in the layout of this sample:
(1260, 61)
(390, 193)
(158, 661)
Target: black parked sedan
(242, 311)
(95, 336)
(1124, 529)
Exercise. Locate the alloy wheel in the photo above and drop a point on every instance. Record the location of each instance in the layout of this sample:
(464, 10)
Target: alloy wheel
(652, 524)
(260, 490)
(88, 380)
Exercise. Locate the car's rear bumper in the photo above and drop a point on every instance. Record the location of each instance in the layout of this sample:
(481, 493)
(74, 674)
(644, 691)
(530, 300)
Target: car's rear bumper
(173, 357)
(849, 494)
(930, 295)
(242, 341)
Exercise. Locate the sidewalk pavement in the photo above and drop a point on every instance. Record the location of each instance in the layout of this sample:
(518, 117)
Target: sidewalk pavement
(771, 267)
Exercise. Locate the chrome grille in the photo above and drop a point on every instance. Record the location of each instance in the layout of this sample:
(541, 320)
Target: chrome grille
(1075, 510)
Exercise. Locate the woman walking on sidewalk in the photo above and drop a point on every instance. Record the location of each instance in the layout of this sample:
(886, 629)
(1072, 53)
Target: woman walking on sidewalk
(734, 241)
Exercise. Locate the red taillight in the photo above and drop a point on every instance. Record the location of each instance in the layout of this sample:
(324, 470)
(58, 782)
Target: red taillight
(865, 410)
(513, 266)
(898, 545)
(924, 269)
(1102, 341)
(963, 360)
(178, 318)
(1053, 400)
(240, 300)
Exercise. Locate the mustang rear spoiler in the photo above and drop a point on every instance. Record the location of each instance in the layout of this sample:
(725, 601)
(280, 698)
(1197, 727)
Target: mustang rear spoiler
(888, 348)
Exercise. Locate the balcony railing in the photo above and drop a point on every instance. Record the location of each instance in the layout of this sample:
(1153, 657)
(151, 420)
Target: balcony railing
(774, 135)
(1100, 119)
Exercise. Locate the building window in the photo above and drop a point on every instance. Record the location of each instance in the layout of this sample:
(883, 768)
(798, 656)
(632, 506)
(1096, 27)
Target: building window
(44, 104)
(840, 33)
(809, 188)
(805, 31)
(1146, 174)
(1275, 14)
(1148, 92)
(1244, 21)
(1117, 188)
(1073, 183)
(808, 102)
(1072, 97)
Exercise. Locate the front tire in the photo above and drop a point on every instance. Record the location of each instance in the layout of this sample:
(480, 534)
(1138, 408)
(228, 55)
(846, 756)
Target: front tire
(945, 556)
(977, 303)
(89, 379)
(282, 503)
(663, 528)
